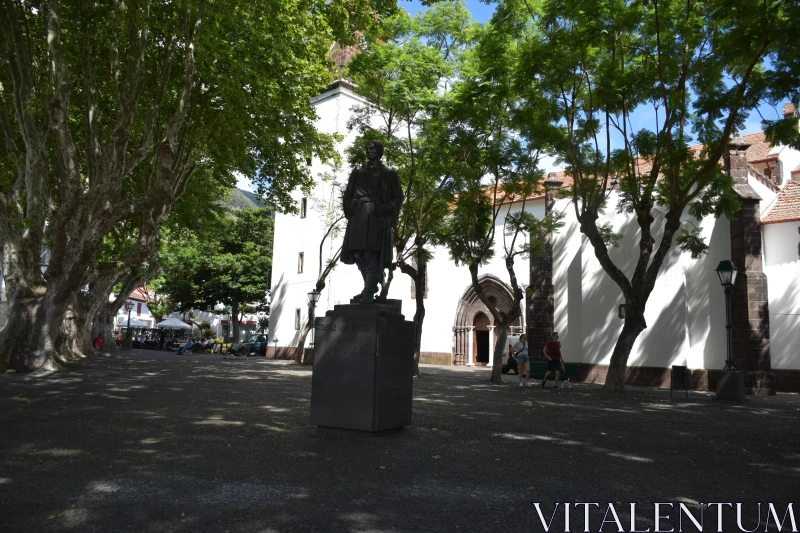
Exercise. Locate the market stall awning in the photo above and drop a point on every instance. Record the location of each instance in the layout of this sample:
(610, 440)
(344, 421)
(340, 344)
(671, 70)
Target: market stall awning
(135, 323)
(174, 323)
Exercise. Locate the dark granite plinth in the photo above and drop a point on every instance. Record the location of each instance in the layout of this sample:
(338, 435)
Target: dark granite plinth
(730, 386)
(363, 364)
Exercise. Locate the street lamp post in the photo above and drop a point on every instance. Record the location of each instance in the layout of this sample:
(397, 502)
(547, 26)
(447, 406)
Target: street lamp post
(229, 309)
(313, 298)
(727, 276)
(128, 308)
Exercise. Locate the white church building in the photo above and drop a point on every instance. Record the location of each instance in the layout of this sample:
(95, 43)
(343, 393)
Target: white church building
(569, 292)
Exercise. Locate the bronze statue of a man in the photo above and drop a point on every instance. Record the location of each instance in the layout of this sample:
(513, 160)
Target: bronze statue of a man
(372, 204)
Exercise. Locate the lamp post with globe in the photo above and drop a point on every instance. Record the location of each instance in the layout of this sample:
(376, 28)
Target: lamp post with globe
(313, 298)
(126, 345)
(229, 309)
(727, 276)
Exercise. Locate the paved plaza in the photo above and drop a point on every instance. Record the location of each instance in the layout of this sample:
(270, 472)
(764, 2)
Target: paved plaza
(156, 442)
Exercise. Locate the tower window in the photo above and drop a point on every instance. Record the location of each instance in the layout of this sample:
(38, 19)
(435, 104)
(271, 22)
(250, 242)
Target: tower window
(303, 207)
(300, 259)
(297, 319)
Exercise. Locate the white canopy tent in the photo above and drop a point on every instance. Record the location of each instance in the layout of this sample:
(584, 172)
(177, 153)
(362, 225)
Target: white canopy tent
(173, 323)
(135, 323)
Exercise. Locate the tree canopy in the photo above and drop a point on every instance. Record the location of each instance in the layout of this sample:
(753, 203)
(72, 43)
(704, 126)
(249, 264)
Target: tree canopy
(109, 109)
(700, 68)
(407, 74)
(233, 267)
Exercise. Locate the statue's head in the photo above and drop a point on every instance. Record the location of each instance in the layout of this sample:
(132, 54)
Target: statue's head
(374, 150)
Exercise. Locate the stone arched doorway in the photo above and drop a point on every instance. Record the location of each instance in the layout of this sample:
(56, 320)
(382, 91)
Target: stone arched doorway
(480, 339)
(474, 324)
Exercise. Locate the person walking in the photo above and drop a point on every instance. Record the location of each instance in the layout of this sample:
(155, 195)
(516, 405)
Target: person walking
(552, 350)
(523, 361)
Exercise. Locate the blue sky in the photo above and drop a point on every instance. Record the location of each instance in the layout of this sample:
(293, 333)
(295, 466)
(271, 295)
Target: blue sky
(481, 11)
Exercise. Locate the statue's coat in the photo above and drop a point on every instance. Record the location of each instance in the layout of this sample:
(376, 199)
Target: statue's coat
(366, 230)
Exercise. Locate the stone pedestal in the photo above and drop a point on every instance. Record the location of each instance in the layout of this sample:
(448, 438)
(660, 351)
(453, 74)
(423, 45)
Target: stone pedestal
(731, 386)
(363, 364)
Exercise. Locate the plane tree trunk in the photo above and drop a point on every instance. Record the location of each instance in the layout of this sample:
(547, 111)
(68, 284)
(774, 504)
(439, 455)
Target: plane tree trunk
(235, 322)
(97, 312)
(93, 302)
(62, 203)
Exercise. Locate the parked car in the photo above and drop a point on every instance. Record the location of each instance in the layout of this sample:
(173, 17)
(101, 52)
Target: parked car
(509, 363)
(254, 345)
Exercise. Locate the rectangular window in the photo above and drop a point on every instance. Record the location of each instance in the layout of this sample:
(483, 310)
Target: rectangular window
(138, 309)
(300, 263)
(297, 319)
(414, 284)
(303, 207)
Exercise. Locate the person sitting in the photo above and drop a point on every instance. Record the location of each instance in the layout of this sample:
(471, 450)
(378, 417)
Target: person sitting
(199, 346)
(186, 346)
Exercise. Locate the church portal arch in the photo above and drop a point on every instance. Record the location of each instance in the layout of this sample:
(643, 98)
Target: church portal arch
(474, 324)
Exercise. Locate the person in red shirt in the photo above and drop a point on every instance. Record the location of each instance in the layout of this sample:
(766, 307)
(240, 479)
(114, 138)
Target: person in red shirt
(552, 350)
(98, 342)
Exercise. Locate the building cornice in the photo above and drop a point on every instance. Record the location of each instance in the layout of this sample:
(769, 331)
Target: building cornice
(336, 88)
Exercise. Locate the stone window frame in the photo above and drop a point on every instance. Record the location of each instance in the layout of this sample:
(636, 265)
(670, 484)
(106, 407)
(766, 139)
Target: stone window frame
(300, 262)
(297, 319)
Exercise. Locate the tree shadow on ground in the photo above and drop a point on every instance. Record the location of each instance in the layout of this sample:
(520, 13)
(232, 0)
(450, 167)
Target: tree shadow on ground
(194, 448)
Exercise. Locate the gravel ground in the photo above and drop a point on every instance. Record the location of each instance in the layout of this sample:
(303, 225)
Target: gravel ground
(155, 442)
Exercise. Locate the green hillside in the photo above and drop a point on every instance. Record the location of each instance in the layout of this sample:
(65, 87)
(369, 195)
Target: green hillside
(240, 199)
(252, 197)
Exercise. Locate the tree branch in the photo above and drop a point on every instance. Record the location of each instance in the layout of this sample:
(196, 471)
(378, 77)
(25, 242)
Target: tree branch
(153, 116)
(58, 112)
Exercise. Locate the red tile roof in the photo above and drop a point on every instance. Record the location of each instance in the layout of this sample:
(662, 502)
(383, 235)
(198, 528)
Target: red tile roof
(138, 294)
(759, 147)
(786, 207)
(757, 151)
(535, 195)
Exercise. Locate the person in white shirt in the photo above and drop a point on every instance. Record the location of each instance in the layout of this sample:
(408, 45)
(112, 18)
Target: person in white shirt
(523, 361)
